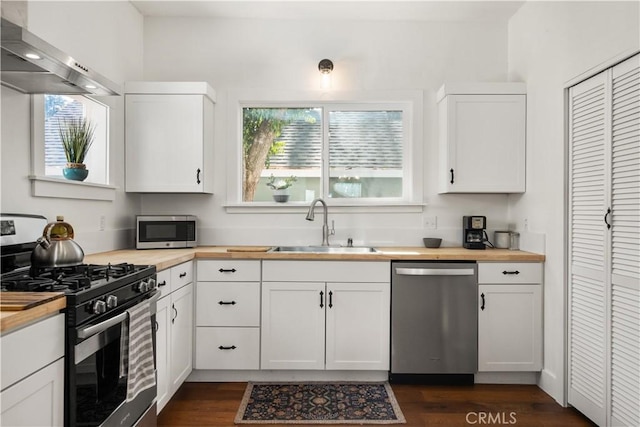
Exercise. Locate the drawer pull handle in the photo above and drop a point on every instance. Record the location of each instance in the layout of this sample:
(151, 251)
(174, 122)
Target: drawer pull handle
(227, 302)
(482, 306)
(233, 347)
(224, 270)
(163, 283)
(330, 299)
(183, 274)
(321, 299)
(510, 272)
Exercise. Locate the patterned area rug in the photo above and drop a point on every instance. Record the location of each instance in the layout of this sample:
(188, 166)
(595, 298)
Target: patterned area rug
(319, 403)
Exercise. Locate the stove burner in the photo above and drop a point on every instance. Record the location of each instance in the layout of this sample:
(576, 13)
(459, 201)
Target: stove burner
(69, 279)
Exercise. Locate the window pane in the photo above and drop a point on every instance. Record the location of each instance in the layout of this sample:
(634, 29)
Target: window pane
(281, 143)
(365, 154)
(57, 109)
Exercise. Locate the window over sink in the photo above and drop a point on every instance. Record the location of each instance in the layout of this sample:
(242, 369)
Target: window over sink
(351, 150)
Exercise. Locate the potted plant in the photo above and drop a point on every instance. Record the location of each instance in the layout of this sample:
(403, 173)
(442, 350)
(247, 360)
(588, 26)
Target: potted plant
(76, 135)
(280, 187)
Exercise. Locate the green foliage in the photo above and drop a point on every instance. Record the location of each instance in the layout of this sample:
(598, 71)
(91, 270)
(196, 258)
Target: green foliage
(256, 120)
(76, 135)
(281, 184)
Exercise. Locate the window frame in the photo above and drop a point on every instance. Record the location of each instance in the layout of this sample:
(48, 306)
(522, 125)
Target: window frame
(408, 101)
(58, 187)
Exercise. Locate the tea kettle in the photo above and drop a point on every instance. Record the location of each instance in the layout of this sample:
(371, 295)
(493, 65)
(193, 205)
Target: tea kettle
(56, 247)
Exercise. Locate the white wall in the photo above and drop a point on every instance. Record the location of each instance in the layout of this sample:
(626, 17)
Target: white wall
(108, 37)
(368, 56)
(551, 43)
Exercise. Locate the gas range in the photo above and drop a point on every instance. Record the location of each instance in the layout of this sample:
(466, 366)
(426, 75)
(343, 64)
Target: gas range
(91, 290)
(106, 305)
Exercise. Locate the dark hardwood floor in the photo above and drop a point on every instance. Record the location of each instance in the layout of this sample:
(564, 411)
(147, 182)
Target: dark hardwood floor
(215, 404)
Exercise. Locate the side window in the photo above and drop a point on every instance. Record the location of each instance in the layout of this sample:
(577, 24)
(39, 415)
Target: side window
(346, 151)
(61, 108)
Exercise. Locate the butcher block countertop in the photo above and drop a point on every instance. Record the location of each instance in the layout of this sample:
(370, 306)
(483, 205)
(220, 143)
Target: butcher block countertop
(165, 258)
(21, 308)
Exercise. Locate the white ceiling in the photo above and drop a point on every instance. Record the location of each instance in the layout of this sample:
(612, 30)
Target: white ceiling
(389, 10)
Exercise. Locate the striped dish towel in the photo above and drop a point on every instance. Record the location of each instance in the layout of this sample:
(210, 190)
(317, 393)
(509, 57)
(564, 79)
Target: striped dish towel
(137, 351)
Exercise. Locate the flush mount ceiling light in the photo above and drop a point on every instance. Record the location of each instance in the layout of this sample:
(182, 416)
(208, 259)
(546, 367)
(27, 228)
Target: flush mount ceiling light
(33, 56)
(325, 66)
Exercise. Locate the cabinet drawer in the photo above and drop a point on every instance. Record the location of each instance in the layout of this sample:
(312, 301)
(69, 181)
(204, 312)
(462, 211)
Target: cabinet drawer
(229, 271)
(228, 304)
(509, 272)
(181, 275)
(240, 348)
(26, 350)
(164, 282)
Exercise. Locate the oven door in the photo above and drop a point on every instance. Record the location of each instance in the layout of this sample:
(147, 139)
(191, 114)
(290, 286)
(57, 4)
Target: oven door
(96, 390)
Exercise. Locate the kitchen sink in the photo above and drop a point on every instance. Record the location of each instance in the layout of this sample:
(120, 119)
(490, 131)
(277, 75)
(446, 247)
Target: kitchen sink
(324, 249)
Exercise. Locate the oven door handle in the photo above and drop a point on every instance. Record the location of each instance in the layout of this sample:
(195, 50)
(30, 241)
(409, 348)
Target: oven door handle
(103, 326)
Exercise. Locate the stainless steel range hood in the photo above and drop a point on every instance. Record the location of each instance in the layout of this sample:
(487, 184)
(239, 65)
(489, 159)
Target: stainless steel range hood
(31, 65)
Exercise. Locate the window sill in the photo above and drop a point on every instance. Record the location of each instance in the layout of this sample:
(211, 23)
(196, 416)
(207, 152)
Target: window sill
(339, 207)
(43, 186)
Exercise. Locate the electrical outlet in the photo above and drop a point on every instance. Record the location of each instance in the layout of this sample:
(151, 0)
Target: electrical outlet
(431, 222)
(526, 224)
(103, 222)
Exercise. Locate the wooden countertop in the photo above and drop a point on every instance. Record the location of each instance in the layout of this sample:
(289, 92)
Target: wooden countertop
(165, 258)
(52, 302)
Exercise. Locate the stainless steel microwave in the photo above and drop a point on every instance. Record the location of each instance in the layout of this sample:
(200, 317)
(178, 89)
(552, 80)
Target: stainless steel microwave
(166, 231)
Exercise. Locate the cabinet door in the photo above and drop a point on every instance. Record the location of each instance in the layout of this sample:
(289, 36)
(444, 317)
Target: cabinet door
(358, 319)
(37, 400)
(164, 143)
(181, 335)
(292, 332)
(510, 328)
(482, 144)
(163, 338)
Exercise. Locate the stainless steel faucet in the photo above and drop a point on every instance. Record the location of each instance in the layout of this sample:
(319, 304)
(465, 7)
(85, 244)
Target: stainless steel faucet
(325, 226)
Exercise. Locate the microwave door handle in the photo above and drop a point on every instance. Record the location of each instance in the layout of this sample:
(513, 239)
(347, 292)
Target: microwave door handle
(95, 329)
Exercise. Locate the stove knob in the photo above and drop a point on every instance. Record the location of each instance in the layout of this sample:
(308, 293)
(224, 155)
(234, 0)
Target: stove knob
(152, 284)
(112, 301)
(143, 286)
(99, 307)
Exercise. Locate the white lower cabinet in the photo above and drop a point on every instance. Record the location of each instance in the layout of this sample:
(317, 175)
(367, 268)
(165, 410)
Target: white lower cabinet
(174, 331)
(228, 315)
(330, 315)
(509, 317)
(33, 374)
(38, 400)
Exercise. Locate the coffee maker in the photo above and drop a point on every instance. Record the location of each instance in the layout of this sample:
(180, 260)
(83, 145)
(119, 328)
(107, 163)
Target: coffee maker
(473, 232)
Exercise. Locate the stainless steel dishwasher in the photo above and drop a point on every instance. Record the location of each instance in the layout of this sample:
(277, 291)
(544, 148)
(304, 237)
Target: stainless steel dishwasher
(434, 322)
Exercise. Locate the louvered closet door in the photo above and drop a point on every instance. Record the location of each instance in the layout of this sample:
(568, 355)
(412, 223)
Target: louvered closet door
(625, 245)
(589, 131)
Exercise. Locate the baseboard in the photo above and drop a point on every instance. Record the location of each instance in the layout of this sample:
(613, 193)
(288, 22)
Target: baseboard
(507, 377)
(265, 375)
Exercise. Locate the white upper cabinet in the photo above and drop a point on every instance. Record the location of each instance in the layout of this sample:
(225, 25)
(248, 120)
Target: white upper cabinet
(169, 137)
(482, 129)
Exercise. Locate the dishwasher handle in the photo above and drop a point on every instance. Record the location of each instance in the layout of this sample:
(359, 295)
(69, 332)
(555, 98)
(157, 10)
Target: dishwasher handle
(403, 271)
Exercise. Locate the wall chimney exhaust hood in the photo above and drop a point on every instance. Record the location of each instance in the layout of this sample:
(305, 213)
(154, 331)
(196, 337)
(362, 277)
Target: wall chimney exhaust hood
(31, 65)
